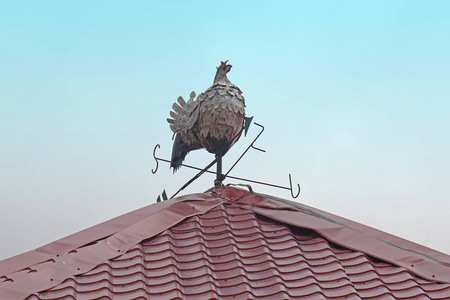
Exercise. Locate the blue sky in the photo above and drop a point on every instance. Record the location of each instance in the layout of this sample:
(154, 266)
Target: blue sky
(354, 96)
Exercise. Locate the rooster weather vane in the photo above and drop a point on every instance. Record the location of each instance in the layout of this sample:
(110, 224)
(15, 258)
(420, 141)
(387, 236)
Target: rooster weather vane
(214, 121)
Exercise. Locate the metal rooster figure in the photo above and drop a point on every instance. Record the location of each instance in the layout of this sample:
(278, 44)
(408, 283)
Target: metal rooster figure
(214, 121)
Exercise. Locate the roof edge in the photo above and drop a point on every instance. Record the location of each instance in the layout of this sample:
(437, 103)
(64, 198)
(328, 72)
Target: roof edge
(48, 270)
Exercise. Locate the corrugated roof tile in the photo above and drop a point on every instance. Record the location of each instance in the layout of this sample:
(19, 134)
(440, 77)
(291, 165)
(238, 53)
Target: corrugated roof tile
(231, 252)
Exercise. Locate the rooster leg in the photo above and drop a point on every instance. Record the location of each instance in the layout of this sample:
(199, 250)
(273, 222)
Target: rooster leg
(220, 177)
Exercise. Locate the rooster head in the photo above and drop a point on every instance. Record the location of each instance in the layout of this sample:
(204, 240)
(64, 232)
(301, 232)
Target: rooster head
(222, 71)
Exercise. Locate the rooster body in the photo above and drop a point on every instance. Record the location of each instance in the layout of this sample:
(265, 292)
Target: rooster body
(213, 121)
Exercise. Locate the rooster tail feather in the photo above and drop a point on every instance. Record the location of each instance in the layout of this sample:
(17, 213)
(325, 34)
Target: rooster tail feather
(179, 151)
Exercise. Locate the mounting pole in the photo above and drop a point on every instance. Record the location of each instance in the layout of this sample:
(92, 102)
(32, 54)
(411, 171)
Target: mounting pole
(220, 177)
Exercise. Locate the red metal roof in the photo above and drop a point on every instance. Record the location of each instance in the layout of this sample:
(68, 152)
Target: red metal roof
(228, 244)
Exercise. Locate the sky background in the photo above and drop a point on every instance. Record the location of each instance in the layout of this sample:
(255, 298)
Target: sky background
(354, 97)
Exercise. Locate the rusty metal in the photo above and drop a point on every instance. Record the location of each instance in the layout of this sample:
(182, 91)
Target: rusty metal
(214, 120)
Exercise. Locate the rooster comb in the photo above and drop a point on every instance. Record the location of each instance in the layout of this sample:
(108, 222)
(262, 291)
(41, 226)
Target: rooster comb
(223, 63)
